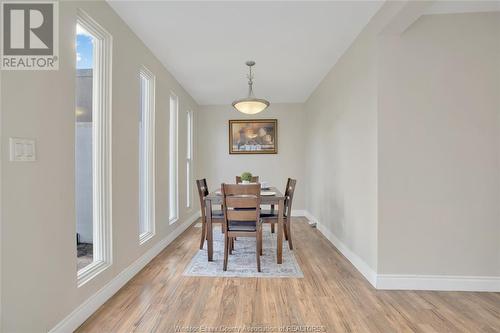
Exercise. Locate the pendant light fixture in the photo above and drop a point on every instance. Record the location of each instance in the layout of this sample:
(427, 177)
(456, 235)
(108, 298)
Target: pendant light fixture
(250, 104)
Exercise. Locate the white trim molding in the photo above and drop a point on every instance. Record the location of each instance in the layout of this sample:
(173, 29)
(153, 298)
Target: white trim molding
(173, 167)
(189, 157)
(405, 281)
(147, 159)
(88, 307)
(101, 152)
(355, 260)
(438, 282)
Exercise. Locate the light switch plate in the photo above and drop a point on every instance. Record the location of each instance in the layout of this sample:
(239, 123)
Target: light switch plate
(22, 150)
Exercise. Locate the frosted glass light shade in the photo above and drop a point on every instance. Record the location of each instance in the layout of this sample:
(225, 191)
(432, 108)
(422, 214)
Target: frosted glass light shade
(250, 105)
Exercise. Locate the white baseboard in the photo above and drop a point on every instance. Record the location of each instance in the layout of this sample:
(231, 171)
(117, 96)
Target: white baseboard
(87, 308)
(355, 260)
(310, 217)
(438, 282)
(409, 282)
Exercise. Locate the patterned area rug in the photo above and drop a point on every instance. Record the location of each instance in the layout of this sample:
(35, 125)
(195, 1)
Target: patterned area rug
(242, 263)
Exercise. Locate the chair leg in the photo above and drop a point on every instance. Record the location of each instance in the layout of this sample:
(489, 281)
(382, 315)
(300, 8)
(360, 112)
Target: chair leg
(288, 228)
(260, 242)
(222, 228)
(258, 250)
(285, 231)
(226, 249)
(272, 222)
(203, 234)
(231, 246)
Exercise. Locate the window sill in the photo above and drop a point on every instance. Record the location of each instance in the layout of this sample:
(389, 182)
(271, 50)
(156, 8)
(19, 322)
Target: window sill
(172, 221)
(87, 273)
(143, 238)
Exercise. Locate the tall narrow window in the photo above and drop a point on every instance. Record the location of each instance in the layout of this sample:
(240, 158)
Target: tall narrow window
(92, 148)
(146, 155)
(189, 158)
(173, 161)
(83, 148)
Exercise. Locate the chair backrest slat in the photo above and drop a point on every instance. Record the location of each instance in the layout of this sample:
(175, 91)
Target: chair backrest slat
(202, 193)
(255, 179)
(241, 189)
(241, 215)
(241, 201)
(290, 190)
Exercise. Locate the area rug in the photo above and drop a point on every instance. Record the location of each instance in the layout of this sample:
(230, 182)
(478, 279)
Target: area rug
(242, 263)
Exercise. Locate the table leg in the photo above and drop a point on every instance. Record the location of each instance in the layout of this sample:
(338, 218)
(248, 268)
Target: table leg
(210, 242)
(279, 235)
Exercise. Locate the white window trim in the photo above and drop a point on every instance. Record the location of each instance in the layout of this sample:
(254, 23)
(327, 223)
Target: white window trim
(101, 152)
(174, 144)
(189, 158)
(150, 149)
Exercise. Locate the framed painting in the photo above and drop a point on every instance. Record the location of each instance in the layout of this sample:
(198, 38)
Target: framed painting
(253, 136)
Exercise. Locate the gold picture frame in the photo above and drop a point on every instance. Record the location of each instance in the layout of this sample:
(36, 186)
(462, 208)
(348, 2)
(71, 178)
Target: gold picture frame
(253, 136)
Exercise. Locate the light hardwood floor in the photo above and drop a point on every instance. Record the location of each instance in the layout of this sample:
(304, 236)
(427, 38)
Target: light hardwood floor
(332, 294)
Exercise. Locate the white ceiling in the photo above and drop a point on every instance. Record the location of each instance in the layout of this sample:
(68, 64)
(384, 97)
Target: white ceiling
(205, 44)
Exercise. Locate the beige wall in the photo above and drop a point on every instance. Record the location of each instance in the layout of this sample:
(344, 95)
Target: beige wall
(341, 157)
(439, 147)
(217, 165)
(38, 212)
(341, 167)
(403, 158)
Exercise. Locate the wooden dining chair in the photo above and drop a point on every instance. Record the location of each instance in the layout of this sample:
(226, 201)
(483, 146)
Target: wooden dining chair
(271, 216)
(255, 179)
(217, 215)
(241, 208)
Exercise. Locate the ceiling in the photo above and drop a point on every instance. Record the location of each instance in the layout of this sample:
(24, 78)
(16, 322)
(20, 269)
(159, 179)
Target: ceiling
(456, 7)
(205, 44)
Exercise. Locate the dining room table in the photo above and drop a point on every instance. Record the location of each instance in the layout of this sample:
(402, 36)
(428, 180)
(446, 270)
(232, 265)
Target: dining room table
(269, 196)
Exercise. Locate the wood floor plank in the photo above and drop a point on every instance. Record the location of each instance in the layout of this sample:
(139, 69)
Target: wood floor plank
(332, 295)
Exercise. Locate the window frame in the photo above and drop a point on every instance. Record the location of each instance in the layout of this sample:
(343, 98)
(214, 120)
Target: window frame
(189, 157)
(173, 169)
(147, 213)
(101, 148)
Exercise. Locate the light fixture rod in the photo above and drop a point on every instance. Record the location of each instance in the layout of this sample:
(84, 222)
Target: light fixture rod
(250, 78)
